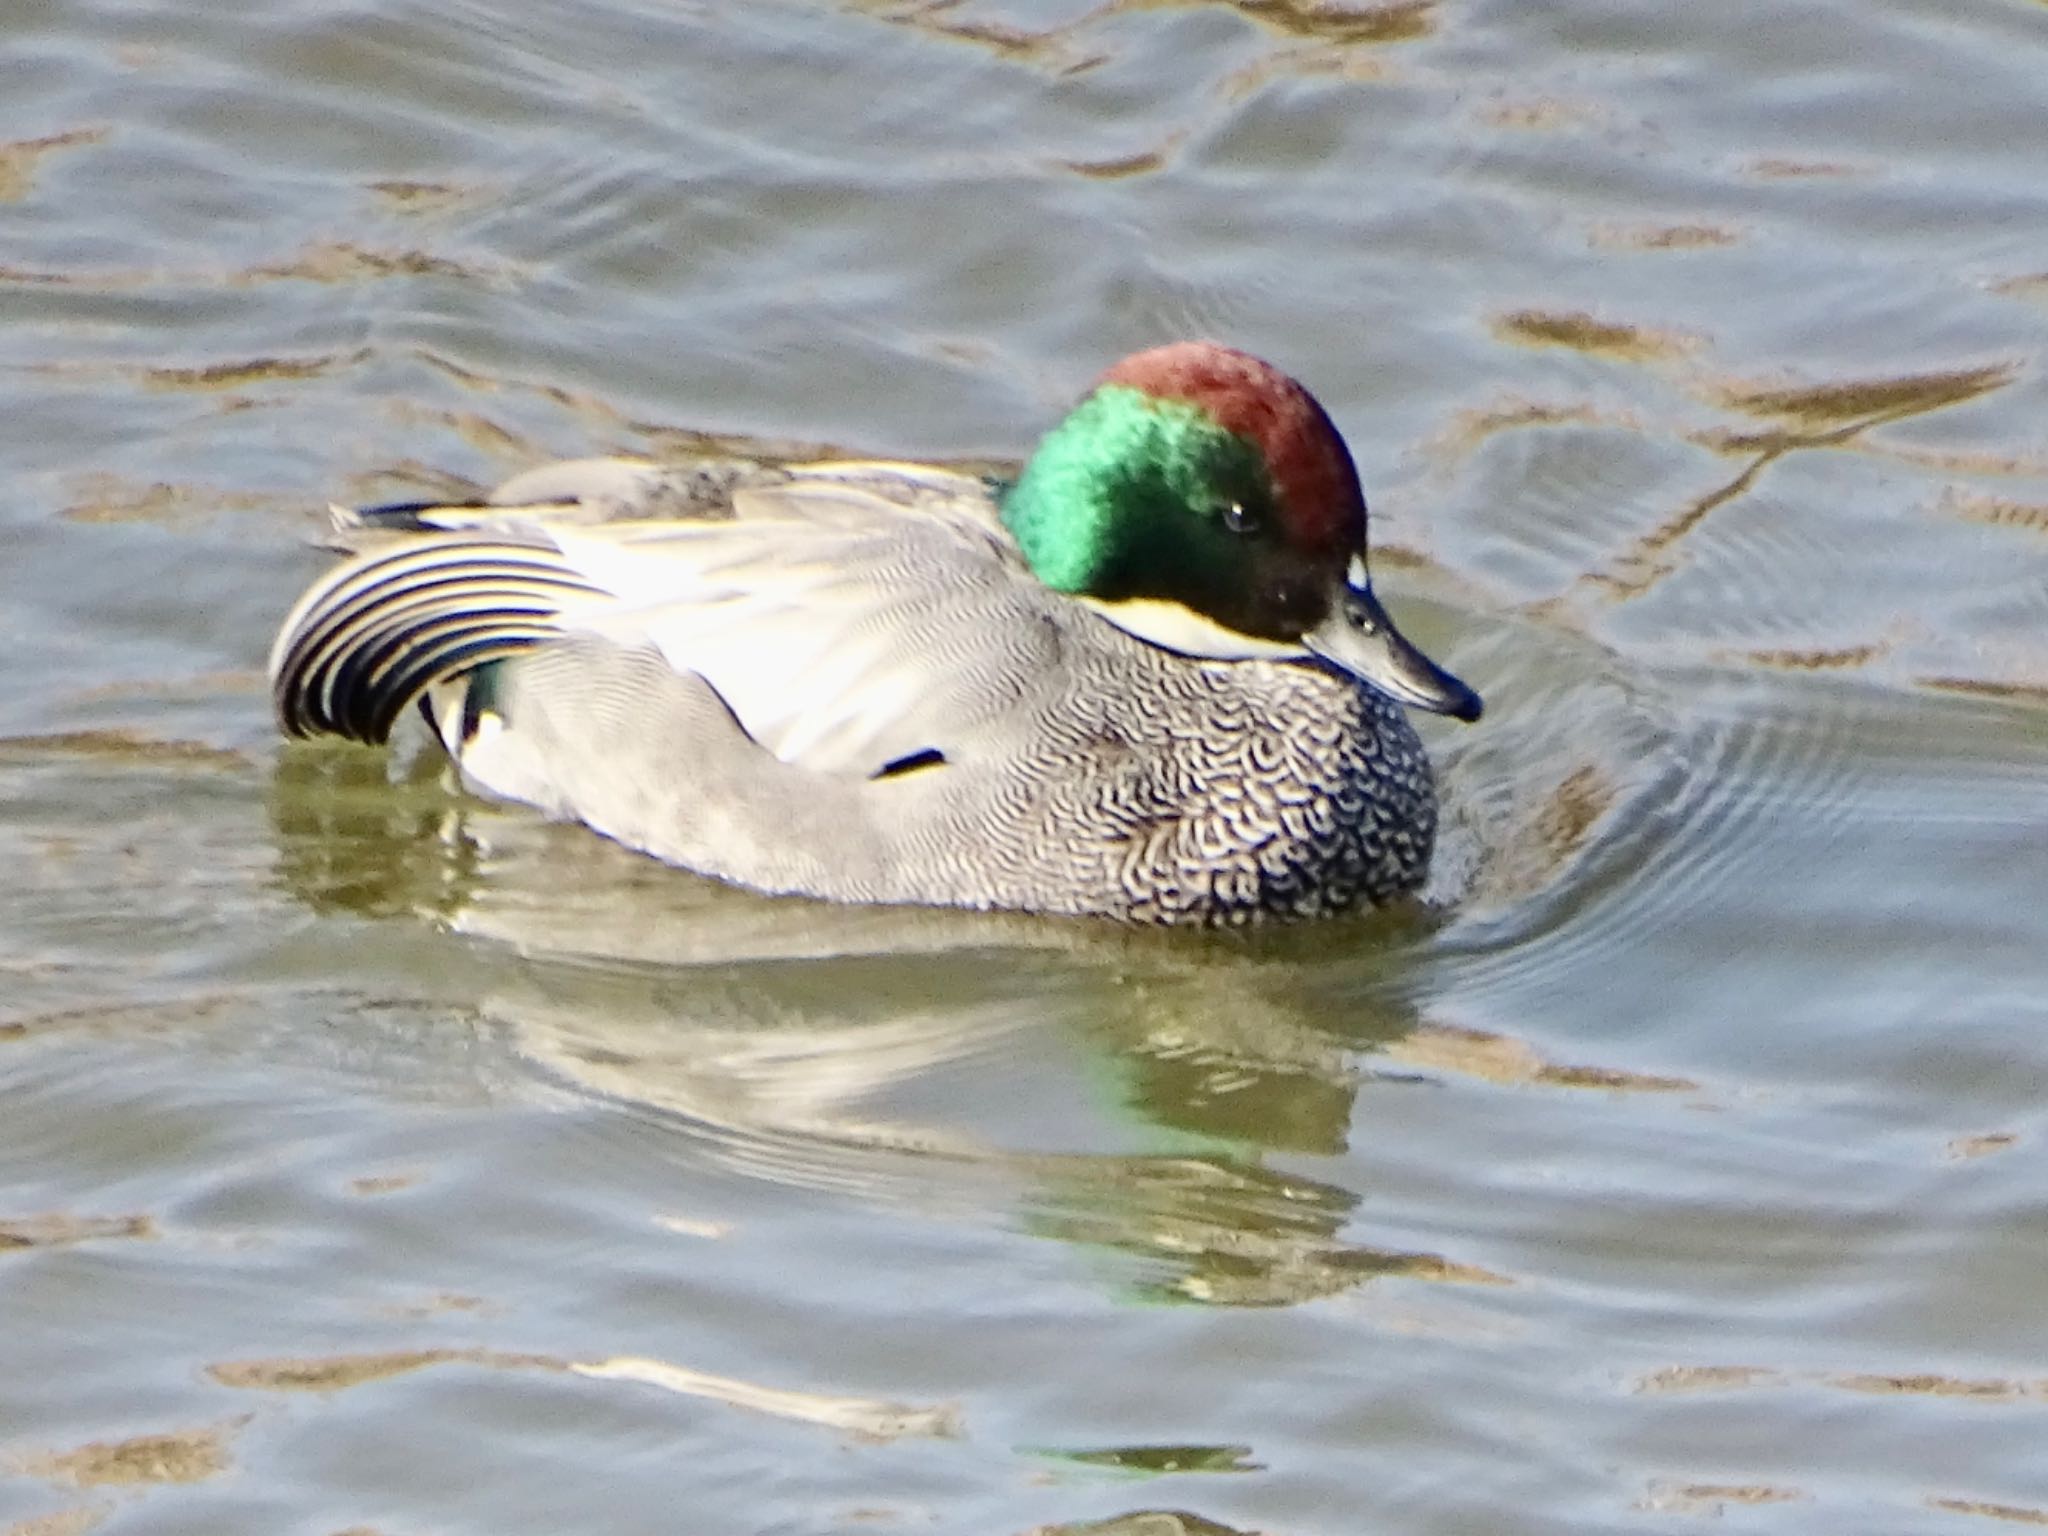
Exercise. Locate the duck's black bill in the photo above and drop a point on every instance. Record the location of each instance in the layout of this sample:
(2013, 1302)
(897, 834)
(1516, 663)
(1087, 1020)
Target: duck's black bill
(1359, 637)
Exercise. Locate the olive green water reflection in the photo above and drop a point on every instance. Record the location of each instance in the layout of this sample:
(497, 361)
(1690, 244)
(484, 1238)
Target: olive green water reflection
(377, 1159)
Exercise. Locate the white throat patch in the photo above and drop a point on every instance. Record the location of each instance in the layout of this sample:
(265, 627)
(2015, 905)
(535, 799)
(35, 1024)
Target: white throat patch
(1176, 627)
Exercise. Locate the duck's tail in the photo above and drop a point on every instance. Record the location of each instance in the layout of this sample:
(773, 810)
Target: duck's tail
(376, 632)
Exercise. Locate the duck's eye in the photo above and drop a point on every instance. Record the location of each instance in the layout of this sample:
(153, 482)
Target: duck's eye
(1239, 518)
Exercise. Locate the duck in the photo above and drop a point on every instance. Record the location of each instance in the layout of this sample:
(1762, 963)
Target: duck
(1146, 678)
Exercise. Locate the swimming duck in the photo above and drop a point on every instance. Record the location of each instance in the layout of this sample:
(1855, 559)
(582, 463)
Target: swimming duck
(1147, 680)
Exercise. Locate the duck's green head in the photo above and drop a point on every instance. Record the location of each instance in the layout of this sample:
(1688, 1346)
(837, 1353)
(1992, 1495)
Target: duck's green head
(1201, 499)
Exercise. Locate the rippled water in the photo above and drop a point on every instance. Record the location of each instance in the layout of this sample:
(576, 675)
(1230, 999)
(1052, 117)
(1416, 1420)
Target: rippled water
(375, 1159)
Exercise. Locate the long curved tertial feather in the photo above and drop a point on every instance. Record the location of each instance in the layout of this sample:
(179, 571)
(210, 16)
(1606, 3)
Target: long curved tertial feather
(367, 640)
